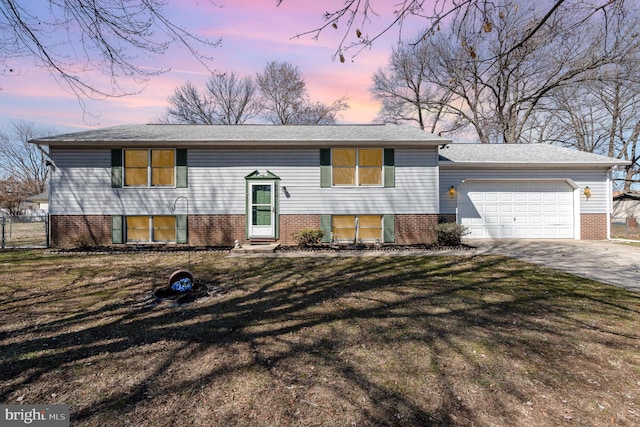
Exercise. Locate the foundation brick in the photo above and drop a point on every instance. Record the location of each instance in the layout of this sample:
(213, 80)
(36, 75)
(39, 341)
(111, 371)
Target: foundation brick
(224, 230)
(416, 228)
(593, 226)
(69, 231)
(289, 224)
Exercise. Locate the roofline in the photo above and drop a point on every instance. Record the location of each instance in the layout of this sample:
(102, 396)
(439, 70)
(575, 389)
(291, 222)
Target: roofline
(249, 136)
(271, 143)
(627, 196)
(448, 164)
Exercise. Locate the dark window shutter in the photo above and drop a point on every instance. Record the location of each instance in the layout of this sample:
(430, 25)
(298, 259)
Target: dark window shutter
(117, 229)
(325, 226)
(325, 167)
(182, 173)
(116, 168)
(276, 209)
(389, 168)
(389, 228)
(182, 229)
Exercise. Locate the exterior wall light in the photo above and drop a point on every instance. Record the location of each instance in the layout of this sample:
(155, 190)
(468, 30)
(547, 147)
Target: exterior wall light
(452, 192)
(587, 192)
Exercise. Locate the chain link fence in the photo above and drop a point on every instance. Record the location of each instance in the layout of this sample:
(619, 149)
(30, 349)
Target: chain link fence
(24, 231)
(625, 230)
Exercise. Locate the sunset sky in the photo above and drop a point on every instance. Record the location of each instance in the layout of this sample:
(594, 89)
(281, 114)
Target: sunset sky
(253, 33)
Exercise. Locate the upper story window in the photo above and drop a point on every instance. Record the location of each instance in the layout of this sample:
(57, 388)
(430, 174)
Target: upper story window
(357, 166)
(149, 168)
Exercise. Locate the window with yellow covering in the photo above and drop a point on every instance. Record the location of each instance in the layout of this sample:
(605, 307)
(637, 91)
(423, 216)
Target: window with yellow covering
(138, 229)
(356, 228)
(145, 229)
(164, 229)
(356, 166)
(154, 168)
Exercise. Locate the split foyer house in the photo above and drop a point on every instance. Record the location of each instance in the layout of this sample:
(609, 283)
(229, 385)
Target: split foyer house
(206, 185)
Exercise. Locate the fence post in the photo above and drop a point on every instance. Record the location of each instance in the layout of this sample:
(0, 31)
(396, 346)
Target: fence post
(2, 231)
(46, 230)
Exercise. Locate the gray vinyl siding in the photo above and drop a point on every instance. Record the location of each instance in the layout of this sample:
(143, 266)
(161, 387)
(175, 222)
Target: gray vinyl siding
(596, 179)
(82, 184)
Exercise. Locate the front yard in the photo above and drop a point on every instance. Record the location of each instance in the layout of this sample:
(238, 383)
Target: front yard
(451, 341)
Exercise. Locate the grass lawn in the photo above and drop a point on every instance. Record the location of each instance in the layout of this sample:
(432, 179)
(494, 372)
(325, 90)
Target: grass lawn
(365, 341)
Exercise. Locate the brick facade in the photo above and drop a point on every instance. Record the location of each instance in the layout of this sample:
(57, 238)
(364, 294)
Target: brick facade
(224, 230)
(216, 230)
(416, 228)
(593, 226)
(80, 230)
(289, 224)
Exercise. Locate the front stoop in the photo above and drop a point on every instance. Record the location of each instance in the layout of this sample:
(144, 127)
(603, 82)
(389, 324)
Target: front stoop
(256, 249)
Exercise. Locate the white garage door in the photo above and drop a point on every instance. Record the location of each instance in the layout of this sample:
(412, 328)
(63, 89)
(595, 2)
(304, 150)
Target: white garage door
(516, 209)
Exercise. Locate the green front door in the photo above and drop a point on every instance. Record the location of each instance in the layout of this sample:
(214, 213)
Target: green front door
(261, 209)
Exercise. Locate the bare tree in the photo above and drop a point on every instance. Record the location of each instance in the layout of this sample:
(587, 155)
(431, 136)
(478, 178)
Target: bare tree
(499, 91)
(188, 106)
(285, 99)
(228, 99)
(279, 96)
(603, 116)
(23, 161)
(283, 92)
(234, 98)
(12, 193)
(71, 37)
(317, 113)
(406, 95)
(361, 25)
(23, 166)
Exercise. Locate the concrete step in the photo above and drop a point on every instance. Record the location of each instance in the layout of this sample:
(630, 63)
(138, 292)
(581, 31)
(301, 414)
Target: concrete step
(253, 249)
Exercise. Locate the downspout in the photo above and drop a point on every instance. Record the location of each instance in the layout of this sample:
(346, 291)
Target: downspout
(355, 234)
(609, 200)
(52, 165)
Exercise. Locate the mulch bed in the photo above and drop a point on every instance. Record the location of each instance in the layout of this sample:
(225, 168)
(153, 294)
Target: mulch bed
(110, 250)
(370, 248)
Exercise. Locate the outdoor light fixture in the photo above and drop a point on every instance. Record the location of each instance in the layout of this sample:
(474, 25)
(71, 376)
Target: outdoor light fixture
(587, 192)
(452, 192)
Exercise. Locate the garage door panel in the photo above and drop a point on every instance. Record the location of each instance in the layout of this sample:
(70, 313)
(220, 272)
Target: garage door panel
(517, 209)
(491, 209)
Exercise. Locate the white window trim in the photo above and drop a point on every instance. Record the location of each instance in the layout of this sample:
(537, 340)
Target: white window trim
(357, 183)
(341, 239)
(148, 185)
(150, 236)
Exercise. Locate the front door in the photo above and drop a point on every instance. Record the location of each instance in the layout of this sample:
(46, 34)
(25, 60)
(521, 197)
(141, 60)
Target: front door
(261, 209)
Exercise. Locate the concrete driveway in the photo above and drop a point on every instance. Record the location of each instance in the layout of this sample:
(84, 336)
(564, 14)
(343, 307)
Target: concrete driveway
(609, 262)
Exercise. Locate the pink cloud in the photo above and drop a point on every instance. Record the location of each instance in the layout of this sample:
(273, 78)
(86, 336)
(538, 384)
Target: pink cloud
(253, 33)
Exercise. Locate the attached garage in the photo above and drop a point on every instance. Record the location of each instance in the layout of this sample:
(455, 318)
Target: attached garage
(517, 209)
(526, 191)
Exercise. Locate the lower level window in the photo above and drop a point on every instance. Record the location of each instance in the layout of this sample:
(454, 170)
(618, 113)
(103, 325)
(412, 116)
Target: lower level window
(359, 228)
(146, 229)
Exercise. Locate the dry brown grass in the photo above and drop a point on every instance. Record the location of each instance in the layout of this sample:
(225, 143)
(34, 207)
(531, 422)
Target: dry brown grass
(451, 341)
(27, 231)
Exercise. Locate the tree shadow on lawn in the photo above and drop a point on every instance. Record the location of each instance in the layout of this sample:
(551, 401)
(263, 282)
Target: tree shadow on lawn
(370, 341)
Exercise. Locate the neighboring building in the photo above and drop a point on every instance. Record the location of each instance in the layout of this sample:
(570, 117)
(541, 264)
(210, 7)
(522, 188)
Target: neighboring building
(626, 207)
(39, 202)
(211, 185)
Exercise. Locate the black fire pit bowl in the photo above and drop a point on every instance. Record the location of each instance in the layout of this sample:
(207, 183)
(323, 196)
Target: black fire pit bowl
(197, 290)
